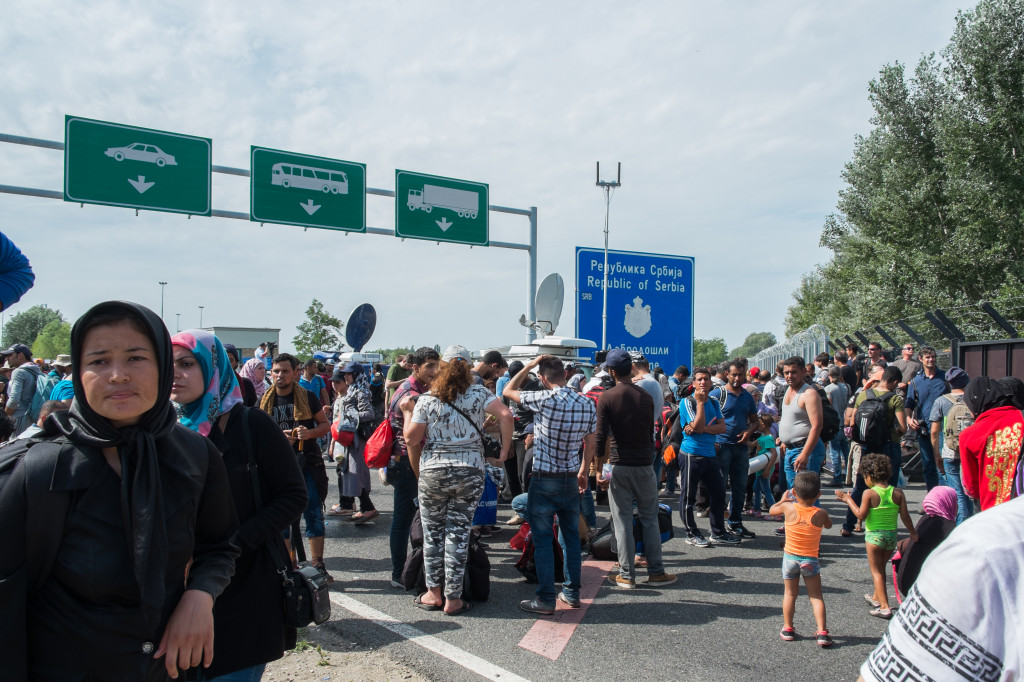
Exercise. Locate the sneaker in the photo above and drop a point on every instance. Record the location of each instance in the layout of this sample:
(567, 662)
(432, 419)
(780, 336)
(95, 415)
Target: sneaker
(724, 539)
(824, 639)
(537, 606)
(624, 583)
(515, 520)
(739, 530)
(571, 603)
(755, 513)
(698, 541)
(701, 513)
(788, 634)
(667, 494)
(397, 585)
(323, 569)
(661, 580)
(780, 531)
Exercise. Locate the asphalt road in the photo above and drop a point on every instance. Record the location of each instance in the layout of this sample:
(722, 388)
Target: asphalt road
(720, 621)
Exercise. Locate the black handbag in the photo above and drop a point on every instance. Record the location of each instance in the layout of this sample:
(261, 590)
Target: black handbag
(306, 598)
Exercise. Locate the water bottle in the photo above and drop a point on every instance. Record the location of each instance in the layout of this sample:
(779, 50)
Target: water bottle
(606, 471)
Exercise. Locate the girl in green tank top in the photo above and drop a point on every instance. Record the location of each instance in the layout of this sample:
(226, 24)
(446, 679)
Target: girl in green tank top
(879, 506)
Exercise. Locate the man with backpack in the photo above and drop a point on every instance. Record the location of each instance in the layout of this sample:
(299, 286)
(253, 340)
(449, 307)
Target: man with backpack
(22, 402)
(877, 425)
(949, 417)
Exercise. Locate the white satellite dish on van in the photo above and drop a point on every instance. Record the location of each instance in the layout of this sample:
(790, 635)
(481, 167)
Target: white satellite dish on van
(548, 305)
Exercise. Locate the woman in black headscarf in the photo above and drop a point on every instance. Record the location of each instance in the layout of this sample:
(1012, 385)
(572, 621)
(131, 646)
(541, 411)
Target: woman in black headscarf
(129, 572)
(991, 446)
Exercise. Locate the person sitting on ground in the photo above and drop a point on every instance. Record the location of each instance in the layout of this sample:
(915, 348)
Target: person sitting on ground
(804, 523)
(939, 520)
(879, 507)
(446, 452)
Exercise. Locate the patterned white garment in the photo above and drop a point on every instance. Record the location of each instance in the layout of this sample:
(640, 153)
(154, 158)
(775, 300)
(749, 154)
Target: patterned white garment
(962, 619)
(451, 439)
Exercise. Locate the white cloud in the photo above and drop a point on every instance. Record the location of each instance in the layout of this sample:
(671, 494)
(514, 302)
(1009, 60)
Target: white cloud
(732, 123)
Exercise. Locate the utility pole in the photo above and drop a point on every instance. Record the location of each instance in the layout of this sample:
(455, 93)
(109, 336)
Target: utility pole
(607, 187)
(177, 325)
(201, 316)
(162, 285)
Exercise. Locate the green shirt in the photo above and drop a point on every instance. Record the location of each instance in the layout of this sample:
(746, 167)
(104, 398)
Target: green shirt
(883, 517)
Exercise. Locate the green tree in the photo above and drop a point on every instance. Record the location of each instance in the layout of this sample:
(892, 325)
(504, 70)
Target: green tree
(26, 325)
(53, 340)
(754, 344)
(320, 331)
(391, 353)
(932, 213)
(707, 352)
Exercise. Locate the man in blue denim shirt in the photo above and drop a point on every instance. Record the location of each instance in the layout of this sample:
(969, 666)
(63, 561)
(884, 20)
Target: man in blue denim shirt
(922, 392)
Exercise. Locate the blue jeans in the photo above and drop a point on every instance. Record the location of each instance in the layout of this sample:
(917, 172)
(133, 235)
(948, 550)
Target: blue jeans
(839, 452)
(964, 505)
(735, 464)
(314, 513)
(406, 489)
(251, 674)
(929, 469)
(588, 508)
(813, 462)
(762, 486)
(520, 505)
(548, 498)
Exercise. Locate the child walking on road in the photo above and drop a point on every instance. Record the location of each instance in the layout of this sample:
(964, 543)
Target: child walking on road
(804, 523)
(879, 507)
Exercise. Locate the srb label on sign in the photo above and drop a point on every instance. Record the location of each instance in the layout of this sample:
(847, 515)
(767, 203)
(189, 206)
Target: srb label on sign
(650, 303)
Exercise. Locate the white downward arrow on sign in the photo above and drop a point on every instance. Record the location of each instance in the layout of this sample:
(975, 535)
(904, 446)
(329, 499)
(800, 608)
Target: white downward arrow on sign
(141, 185)
(310, 207)
(444, 224)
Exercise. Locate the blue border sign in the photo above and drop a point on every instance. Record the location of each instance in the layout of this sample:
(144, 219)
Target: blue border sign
(650, 303)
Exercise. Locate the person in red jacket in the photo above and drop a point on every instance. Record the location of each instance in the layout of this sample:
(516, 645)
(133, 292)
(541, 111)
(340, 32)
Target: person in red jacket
(989, 448)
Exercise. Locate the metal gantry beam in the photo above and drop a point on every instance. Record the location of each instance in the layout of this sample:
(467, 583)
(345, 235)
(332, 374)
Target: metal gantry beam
(888, 339)
(911, 332)
(530, 213)
(1000, 320)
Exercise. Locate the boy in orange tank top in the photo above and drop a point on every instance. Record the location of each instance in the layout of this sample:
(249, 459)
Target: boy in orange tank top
(804, 523)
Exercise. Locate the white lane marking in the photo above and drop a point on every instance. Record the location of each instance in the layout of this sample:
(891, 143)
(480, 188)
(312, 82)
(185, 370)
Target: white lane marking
(454, 654)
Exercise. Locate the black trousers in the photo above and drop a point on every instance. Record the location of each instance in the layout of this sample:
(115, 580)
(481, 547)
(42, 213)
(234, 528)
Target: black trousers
(695, 470)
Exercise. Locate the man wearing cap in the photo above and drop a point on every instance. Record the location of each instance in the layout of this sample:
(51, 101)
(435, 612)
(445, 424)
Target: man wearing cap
(641, 376)
(624, 412)
(563, 419)
(922, 392)
(22, 387)
(63, 390)
(949, 416)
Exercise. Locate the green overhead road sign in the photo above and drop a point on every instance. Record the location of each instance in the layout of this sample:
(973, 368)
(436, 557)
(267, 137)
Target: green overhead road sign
(441, 209)
(310, 191)
(120, 165)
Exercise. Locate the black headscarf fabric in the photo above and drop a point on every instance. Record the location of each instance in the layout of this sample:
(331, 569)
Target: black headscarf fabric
(141, 496)
(1015, 388)
(984, 393)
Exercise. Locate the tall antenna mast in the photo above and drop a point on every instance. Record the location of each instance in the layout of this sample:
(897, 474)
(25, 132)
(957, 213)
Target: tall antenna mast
(607, 187)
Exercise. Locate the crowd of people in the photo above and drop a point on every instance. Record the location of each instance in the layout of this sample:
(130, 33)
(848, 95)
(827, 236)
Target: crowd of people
(177, 478)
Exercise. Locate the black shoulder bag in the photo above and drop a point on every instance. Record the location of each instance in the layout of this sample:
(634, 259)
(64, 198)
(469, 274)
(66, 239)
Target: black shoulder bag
(491, 446)
(306, 596)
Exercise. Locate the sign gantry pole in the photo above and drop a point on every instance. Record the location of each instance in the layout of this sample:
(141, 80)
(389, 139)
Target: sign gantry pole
(607, 187)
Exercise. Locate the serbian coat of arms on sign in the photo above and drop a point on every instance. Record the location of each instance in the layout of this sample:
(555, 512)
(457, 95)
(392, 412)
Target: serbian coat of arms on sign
(638, 318)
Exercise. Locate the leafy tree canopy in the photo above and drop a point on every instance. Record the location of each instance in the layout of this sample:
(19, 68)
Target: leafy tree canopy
(320, 331)
(26, 325)
(707, 352)
(53, 340)
(754, 344)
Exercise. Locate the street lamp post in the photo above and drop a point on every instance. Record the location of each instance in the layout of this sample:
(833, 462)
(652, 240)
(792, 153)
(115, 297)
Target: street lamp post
(177, 325)
(162, 285)
(201, 316)
(607, 187)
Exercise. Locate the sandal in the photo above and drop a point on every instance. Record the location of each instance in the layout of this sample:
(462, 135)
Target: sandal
(884, 614)
(466, 606)
(420, 604)
(337, 510)
(366, 516)
(639, 561)
(871, 600)
(858, 529)
(845, 533)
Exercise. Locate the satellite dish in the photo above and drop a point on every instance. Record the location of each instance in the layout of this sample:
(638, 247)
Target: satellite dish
(549, 303)
(361, 324)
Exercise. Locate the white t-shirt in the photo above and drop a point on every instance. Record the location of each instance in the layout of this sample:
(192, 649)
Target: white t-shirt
(451, 439)
(962, 619)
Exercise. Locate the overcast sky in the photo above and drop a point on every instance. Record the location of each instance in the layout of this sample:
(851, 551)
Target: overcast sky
(732, 122)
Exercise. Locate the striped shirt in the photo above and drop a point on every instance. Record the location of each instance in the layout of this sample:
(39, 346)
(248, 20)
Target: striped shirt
(564, 418)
